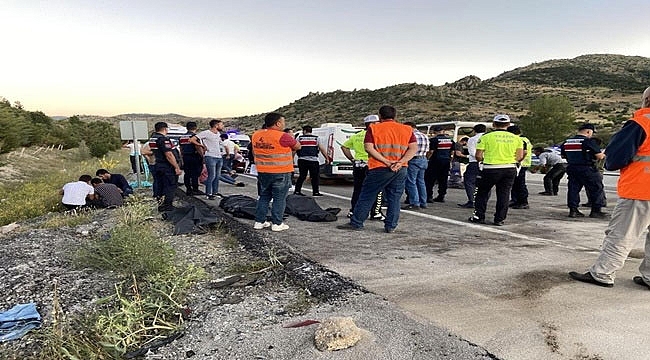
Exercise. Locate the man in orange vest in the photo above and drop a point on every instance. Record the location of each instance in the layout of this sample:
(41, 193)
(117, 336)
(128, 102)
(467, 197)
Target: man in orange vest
(273, 151)
(390, 146)
(629, 151)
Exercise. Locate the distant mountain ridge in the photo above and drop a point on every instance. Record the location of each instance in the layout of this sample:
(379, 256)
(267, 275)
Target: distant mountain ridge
(603, 88)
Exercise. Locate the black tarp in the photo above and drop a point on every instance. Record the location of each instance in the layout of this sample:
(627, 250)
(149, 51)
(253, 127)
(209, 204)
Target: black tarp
(302, 207)
(190, 219)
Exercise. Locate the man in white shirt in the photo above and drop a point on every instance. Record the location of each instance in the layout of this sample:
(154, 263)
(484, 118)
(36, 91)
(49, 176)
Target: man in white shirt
(229, 152)
(76, 193)
(555, 166)
(213, 157)
(472, 169)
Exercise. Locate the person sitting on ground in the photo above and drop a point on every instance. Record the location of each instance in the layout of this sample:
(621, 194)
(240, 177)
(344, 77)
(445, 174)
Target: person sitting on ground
(75, 193)
(230, 179)
(115, 179)
(106, 195)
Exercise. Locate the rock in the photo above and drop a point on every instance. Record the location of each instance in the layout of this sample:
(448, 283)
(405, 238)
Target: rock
(8, 228)
(336, 333)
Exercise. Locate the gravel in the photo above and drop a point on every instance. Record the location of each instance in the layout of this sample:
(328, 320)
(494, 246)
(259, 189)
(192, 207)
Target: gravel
(243, 319)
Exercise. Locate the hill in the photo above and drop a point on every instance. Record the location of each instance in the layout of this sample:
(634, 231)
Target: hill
(603, 88)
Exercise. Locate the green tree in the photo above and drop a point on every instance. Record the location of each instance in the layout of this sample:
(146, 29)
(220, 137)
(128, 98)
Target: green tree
(550, 120)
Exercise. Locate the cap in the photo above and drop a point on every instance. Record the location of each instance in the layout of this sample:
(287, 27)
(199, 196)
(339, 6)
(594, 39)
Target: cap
(502, 118)
(437, 128)
(370, 119)
(587, 127)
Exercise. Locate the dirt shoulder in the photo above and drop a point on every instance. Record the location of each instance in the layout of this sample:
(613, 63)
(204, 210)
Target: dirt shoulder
(241, 320)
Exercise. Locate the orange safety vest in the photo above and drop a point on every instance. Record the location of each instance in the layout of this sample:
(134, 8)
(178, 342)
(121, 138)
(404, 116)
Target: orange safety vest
(635, 177)
(391, 140)
(270, 156)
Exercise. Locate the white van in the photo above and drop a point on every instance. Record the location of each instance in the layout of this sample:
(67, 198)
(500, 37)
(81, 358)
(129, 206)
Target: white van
(455, 129)
(332, 136)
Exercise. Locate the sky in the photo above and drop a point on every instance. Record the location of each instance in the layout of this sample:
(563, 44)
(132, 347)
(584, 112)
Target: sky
(214, 58)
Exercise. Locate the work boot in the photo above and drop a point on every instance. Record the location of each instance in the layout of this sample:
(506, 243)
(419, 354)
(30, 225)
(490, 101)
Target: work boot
(575, 213)
(598, 214)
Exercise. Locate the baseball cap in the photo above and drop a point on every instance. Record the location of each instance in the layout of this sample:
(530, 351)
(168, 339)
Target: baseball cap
(587, 127)
(370, 119)
(502, 118)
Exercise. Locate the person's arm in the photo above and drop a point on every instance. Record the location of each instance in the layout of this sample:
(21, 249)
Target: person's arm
(519, 154)
(624, 145)
(347, 153)
(478, 154)
(172, 160)
(408, 155)
(324, 152)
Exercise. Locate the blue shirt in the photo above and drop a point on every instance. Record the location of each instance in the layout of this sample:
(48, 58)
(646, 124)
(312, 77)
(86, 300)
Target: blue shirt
(624, 145)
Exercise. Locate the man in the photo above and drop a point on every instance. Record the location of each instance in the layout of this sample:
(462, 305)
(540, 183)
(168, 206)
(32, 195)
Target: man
(360, 167)
(439, 164)
(472, 170)
(629, 152)
(76, 193)
(581, 154)
(116, 179)
(308, 160)
(134, 152)
(213, 157)
(555, 169)
(192, 151)
(273, 151)
(390, 146)
(415, 185)
(519, 192)
(167, 168)
(106, 195)
(500, 151)
(458, 157)
(228, 153)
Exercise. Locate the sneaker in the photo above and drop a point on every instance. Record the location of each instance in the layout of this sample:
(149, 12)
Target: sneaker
(298, 193)
(197, 192)
(280, 227)
(260, 226)
(348, 226)
(546, 193)
(467, 205)
(219, 195)
(316, 194)
(439, 199)
(410, 207)
(389, 230)
(378, 217)
(520, 206)
(350, 214)
(210, 197)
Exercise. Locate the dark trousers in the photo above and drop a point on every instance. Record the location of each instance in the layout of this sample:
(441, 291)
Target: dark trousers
(155, 187)
(502, 179)
(311, 167)
(469, 180)
(359, 175)
(437, 172)
(134, 166)
(192, 166)
(519, 192)
(588, 177)
(553, 177)
(168, 182)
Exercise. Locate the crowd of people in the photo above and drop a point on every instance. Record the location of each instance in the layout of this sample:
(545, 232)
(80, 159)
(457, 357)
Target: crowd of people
(390, 158)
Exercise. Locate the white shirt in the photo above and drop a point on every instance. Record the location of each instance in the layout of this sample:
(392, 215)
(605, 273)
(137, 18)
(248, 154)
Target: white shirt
(132, 149)
(471, 146)
(550, 158)
(229, 146)
(212, 142)
(74, 193)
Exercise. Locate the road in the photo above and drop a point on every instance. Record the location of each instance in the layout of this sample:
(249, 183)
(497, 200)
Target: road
(503, 288)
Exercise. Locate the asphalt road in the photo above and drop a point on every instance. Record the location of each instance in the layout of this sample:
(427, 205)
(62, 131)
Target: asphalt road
(503, 288)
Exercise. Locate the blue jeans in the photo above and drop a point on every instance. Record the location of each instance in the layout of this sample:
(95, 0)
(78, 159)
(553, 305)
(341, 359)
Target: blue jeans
(415, 186)
(378, 179)
(213, 165)
(276, 187)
